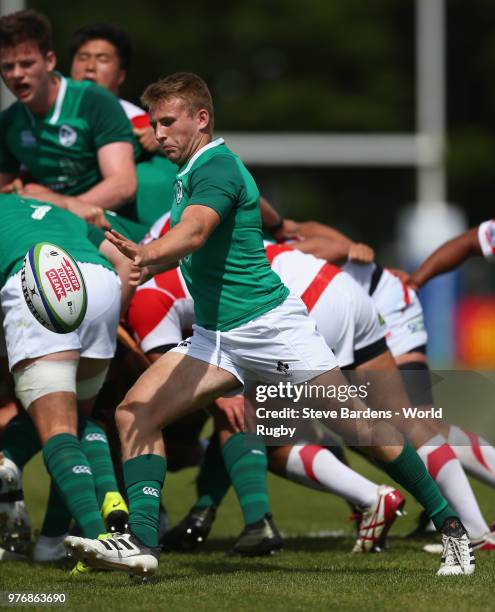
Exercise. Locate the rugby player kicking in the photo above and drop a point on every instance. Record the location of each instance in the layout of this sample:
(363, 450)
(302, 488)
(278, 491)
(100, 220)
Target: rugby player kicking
(246, 323)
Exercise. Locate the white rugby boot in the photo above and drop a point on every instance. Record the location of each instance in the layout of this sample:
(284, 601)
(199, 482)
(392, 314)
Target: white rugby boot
(457, 556)
(120, 551)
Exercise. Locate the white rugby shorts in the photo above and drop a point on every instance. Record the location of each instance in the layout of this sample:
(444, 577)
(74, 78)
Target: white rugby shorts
(281, 345)
(95, 338)
(400, 307)
(347, 318)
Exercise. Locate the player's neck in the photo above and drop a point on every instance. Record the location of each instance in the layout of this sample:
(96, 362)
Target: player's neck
(42, 104)
(202, 140)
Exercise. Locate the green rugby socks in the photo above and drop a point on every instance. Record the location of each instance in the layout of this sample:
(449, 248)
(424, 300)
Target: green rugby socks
(411, 473)
(69, 468)
(20, 440)
(144, 477)
(246, 463)
(94, 444)
(57, 517)
(213, 480)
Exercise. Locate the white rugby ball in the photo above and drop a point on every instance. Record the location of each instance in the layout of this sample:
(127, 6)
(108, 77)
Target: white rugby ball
(54, 288)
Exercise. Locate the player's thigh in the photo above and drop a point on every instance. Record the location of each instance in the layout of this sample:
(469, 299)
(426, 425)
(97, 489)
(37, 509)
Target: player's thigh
(331, 391)
(175, 385)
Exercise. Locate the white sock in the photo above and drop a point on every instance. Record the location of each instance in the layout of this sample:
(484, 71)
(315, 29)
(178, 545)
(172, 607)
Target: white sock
(447, 472)
(476, 454)
(315, 466)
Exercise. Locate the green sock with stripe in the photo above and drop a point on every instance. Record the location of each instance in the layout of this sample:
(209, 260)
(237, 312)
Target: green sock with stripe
(411, 473)
(144, 477)
(213, 480)
(70, 470)
(94, 444)
(20, 440)
(246, 463)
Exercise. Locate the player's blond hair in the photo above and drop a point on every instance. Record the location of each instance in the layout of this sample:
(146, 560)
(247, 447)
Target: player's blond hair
(187, 86)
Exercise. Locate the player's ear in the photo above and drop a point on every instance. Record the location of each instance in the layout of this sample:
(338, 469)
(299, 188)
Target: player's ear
(203, 117)
(121, 77)
(50, 61)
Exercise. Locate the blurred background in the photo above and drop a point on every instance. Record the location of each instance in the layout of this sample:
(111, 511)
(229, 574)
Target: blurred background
(375, 117)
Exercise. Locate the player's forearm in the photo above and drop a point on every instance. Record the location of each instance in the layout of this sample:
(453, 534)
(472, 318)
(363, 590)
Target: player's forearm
(446, 258)
(313, 229)
(331, 250)
(269, 216)
(111, 193)
(185, 238)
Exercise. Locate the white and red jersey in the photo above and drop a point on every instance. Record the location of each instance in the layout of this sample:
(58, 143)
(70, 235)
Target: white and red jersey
(159, 228)
(162, 308)
(486, 237)
(136, 115)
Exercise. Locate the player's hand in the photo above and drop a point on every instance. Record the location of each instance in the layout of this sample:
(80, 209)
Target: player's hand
(402, 275)
(127, 247)
(233, 410)
(136, 275)
(91, 214)
(14, 186)
(147, 140)
(361, 253)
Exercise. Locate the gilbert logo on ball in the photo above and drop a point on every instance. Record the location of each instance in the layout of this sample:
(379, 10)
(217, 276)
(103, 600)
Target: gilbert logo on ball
(54, 288)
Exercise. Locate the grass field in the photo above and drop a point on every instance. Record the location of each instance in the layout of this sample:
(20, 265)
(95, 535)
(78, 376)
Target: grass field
(314, 571)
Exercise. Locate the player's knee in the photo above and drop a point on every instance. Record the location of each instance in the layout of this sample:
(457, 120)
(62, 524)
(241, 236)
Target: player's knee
(43, 377)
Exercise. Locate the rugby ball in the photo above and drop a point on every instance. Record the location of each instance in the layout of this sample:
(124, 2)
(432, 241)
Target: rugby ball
(53, 287)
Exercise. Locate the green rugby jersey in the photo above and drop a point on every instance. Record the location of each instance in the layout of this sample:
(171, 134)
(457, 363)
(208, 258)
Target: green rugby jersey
(25, 222)
(229, 278)
(60, 149)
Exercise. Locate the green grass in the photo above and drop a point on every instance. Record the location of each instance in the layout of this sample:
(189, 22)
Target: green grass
(316, 573)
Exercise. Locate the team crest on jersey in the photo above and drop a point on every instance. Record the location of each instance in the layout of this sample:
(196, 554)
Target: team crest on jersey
(178, 192)
(28, 139)
(67, 135)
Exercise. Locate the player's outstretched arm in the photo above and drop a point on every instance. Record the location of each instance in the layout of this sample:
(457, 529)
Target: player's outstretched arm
(447, 257)
(189, 235)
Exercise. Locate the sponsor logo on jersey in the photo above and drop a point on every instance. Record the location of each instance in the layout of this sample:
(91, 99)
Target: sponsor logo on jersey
(151, 491)
(81, 469)
(185, 343)
(416, 326)
(178, 192)
(67, 135)
(63, 280)
(28, 139)
(96, 437)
